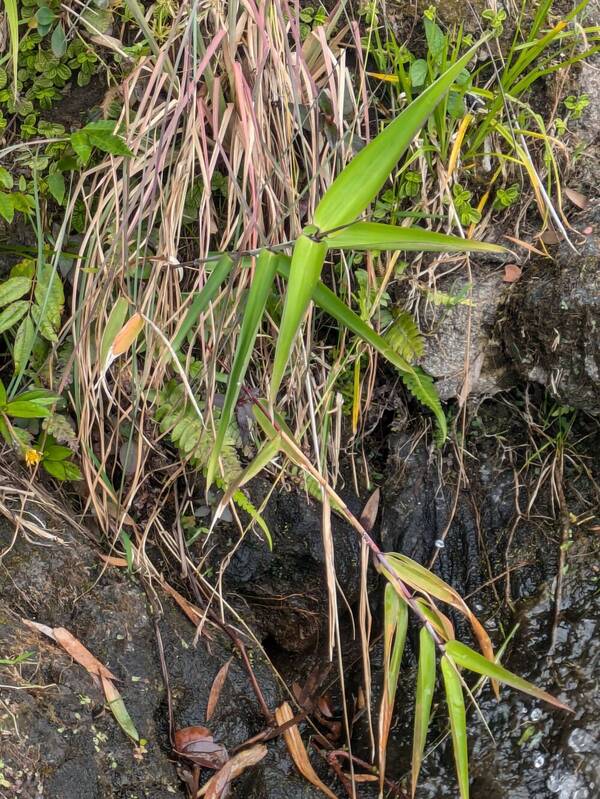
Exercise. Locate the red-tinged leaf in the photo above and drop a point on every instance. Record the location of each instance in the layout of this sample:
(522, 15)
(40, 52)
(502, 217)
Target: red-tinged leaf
(577, 198)
(467, 658)
(197, 745)
(421, 579)
(118, 709)
(440, 622)
(215, 691)
(512, 273)
(78, 652)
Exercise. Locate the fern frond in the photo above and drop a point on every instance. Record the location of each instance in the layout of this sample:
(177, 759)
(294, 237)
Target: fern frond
(245, 504)
(422, 387)
(404, 337)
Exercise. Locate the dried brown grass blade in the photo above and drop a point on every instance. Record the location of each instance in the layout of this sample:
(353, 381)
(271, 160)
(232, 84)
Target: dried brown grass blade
(216, 688)
(74, 648)
(297, 750)
(235, 767)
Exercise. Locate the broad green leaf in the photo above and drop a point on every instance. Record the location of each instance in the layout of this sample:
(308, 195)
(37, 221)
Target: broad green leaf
(13, 289)
(41, 396)
(203, 298)
(109, 143)
(307, 261)
(56, 186)
(11, 315)
(469, 659)
(458, 724)
(62, 470)
(58, 42)
(5, 432)
(45, 16)
(49, 295)
(418, 72)
(7, 206)
(418, 383)
(81, 144)
(262, 283)
(43, 324)
(358, 184)
(22, 409)
(2, 395)
(6, 179)
(24, 341)
(423, 699)
(421, 579)
(377, 236)
(54, 452)
(115, 322)
(395, 625)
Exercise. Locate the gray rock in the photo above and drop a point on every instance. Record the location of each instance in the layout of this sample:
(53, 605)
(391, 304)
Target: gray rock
(551, 323)
(463, 333)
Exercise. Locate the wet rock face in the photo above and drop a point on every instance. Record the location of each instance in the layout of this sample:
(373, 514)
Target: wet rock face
(57, 737)
(537, 752)
(551, 324)
(284, 590)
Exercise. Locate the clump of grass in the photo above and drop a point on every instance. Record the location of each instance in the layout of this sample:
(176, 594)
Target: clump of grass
(237, 143)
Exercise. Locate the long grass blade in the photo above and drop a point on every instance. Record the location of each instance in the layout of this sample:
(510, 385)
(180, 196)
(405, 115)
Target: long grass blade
(395, 625)
(307, 261)
(421, 579)
(469, 659)
(12, 18)
(416, 380)
(264, 275)
(458, 724)
(203, 298)
(423, 699)
(377, 236)
(358, 184)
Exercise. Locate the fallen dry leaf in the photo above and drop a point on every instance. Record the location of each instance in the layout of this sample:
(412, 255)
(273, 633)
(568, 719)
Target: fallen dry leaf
(112, 560)
(577, 198)
(219, 784)
(79, 653)
(215, 691)
(197, 745)
(526, 246)
(550, 236)
(73, 647)
(362, 777)
(237, 765)
(298, 753)
(512, 273)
